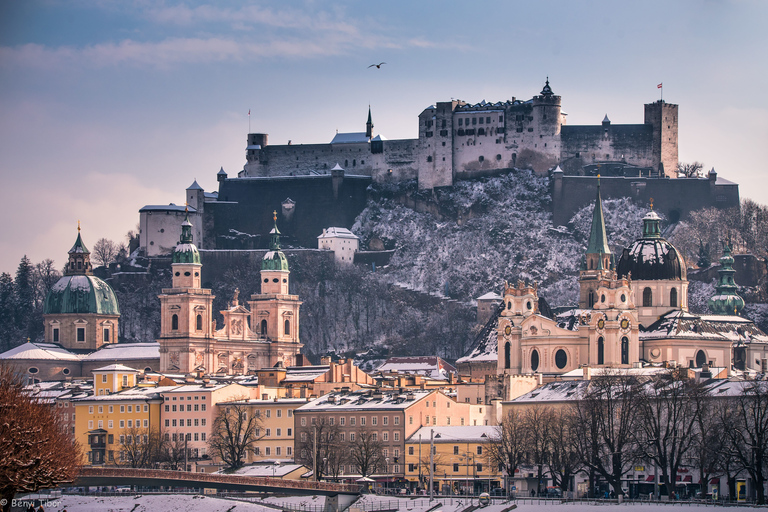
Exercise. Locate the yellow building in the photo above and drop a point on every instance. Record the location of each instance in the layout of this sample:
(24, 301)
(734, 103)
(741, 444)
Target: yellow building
(462, 459)
(276, 427)
(117, 417)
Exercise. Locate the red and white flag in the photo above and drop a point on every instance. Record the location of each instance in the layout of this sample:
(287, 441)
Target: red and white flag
(658, 87)
(249, 110)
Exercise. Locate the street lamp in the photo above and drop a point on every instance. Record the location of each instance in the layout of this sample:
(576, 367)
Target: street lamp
(386, 473)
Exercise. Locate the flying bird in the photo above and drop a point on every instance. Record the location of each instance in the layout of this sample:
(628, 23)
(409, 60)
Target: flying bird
(378, 66)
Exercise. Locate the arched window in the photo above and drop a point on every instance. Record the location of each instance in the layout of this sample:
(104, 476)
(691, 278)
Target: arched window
(600, 350)
(509, 305)
(647, 297)
(591, 299)
(701, 358)
(199, 322)
(264, 327)
(507, 355)
(287, 327)
(535, 360)
(673, 297)
(175, 323)
(624, 350)
(561, 359)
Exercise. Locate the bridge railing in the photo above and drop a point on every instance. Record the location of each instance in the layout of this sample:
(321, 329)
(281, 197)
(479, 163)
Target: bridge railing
(220, 478)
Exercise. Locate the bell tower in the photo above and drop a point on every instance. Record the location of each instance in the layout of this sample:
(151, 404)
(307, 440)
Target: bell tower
(597, 263)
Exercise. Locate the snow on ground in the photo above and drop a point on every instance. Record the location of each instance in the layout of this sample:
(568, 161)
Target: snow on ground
(198, 503)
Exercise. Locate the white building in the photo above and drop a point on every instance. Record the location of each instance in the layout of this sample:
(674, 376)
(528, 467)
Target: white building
(342, 242)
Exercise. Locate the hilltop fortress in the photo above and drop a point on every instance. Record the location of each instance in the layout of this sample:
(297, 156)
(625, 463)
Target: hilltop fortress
(458, 140)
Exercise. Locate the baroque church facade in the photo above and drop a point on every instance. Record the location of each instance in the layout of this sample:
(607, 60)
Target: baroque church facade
(261, 333)
(633, 311)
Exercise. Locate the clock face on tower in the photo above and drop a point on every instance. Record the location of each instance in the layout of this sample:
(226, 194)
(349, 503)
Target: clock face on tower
(507, 330)
(601, 323)
(625, 324)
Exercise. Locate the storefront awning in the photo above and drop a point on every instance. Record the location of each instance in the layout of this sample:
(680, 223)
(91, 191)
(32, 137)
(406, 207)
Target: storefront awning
(714, 481)
(650, 478)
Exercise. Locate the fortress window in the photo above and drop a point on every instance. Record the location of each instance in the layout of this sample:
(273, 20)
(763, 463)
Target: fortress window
(673, 297)
(488, 119)
(481, 158)
(199, 325)
(461, 121)
(175, 323)
(362, 162)
(519, 130)
(443, 125)
(474, 120)
(346, 163)
(429, 159)
(647, 298)
(501, 119)
(481, 131)
(530, 129)
(481, 120)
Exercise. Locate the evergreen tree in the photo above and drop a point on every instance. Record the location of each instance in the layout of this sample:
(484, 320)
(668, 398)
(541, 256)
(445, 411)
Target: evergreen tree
(704, 258)
(25, 294)
(8, 331)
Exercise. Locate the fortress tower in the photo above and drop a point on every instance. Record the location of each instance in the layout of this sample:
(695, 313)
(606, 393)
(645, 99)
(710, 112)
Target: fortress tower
(663, 117)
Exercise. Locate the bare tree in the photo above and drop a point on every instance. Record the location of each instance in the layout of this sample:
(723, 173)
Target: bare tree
(35, 454)
(173, 450)
(748, 432)
(667, 417)
(690, 170)
(508, 447)
(606, 423)
(564, 460)
(104, 251)
(317, 442)
(366, 452)
(538, 421)
(234, 433)
(140, 447)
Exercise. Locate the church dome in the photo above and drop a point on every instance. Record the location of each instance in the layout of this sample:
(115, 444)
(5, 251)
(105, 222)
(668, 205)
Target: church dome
(651, 258)
(186, 251)
(81, 294)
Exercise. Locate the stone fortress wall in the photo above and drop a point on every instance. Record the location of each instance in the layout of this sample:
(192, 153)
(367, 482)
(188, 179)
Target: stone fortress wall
(458, 140)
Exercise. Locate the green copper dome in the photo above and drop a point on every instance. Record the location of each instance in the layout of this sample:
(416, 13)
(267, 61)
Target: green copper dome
(186, 251)
(81, 294)
(275, 258)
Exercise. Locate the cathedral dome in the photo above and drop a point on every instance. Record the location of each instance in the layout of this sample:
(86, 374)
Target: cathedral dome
(651, 258)
(81, 294)
(186, 251)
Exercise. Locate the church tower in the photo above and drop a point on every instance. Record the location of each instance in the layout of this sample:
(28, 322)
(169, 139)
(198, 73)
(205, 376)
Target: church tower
(726, 301)
(597, 261)
(186, 312)
(275, 312)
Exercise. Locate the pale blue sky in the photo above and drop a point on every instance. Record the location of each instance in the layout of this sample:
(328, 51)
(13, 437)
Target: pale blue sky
(107, 106)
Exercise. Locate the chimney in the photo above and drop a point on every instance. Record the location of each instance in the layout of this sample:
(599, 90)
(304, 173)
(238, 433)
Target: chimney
(587, 372)
(325, 360)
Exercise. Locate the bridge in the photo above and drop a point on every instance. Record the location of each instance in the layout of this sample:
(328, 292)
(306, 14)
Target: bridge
(338, 496)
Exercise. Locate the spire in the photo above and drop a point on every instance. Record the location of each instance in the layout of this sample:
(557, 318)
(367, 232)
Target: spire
(79, 257)
(185, 251)
(275, 234)
(547, 90)
(369, 124)
(726, 300)
(186, 229)
(598, 248)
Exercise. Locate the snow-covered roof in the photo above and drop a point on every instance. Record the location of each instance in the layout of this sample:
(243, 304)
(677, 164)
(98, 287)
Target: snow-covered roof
(137, 393)
(486, 345)
(194, 186)
(430, 366)
(267, 470)
(379, 138)
(348, 138)
(490, 296)
(40, 351)
(334, 232)
(198, 388)
(125, 351)
(555, 392)
(465, 434)
(115, 368)
(364, 400)
(726, 328)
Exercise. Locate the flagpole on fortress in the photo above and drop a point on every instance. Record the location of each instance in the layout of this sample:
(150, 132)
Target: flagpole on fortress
(660, 86)
(249, 120)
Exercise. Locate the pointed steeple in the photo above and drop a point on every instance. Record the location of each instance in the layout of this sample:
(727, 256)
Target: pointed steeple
(79, 257)
(275, 259)
(274, 234)
(598, 254)
(369, 124)
(726, 301)
(186, 252)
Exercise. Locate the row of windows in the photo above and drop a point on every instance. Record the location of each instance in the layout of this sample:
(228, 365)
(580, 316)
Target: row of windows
(106, 336)
(197, 422)
(268, 450)
(353, 420)
(111, 409)
(190, 437)
(478, 120)
(110, 423)
(268, 412)
(353, 436)
(181, 398)
(172, 408)
(278, 432)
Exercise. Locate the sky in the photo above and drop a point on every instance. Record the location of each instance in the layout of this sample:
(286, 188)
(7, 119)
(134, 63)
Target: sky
(107, 106)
